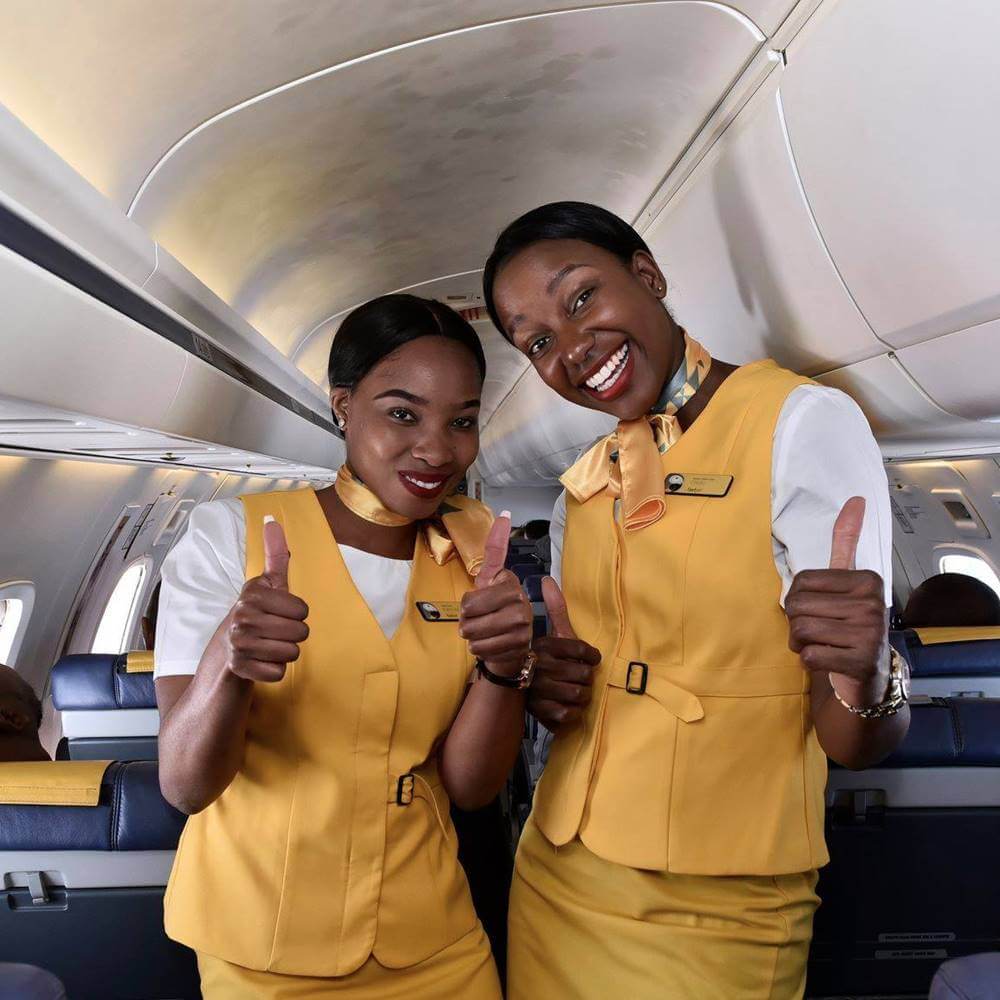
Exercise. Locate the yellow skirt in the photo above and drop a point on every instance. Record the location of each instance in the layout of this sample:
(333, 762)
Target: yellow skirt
(464, 969)
(589, 929)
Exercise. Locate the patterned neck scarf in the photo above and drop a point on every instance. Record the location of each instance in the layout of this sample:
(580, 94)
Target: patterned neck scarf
(458, 527)
(626, 463)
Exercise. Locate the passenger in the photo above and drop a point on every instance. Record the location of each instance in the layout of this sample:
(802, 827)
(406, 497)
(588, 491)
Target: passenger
(676, 831)
(952, 599)
(148, 620)
(537, 531)
(317, 760)
(20, 719)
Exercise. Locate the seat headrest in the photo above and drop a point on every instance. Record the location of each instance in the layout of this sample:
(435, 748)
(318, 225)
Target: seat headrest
(100, 681)
(975, 656)
(130, 815)
(54, 783)
(964, 732)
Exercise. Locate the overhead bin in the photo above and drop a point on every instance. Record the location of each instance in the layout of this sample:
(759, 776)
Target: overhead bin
(891, 112)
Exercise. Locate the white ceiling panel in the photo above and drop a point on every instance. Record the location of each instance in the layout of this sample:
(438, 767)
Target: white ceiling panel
(112, 85)
(400, 168)
(892, 108)
(746, 268)
(960, 372)
(905, 420)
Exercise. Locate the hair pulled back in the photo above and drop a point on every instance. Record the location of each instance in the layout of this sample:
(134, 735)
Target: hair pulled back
(559, 220)
(374, 330)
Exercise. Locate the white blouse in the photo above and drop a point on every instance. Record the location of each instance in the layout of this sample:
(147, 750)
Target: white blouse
(823, 454)
(205, 572)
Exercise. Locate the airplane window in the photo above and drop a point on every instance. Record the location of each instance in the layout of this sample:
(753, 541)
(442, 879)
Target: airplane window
(970, 566)
(120, 613)
(10, 618)
(16, 601)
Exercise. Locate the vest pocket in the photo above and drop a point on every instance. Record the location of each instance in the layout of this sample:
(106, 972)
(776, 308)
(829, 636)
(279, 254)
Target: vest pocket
(425, 903)
(738, 805)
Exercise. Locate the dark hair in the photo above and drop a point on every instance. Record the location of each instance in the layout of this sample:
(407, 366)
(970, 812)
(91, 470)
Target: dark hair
(952, 599)
(376, 329)
(560, 220)
(23, 692)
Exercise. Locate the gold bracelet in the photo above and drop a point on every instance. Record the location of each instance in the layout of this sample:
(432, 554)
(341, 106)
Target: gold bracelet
(896, 693)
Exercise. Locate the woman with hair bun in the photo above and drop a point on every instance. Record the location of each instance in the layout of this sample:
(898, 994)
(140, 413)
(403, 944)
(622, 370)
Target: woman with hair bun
(723, 631)
(313, 657)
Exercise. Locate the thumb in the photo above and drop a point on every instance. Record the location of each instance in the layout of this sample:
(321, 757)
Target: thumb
(555, 605)
(276, 554)
(495, 551)
(846, 532)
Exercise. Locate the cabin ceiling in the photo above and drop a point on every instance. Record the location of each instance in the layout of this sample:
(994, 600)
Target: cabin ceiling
(300, 157)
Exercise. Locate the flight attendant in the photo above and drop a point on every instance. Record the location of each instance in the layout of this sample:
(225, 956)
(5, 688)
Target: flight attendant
(723, 630)
(314, 655)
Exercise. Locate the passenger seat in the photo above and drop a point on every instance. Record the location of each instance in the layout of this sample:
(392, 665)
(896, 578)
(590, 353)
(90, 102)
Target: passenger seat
(86, 848)
(108, 706)
(954, 662)
(914, 860)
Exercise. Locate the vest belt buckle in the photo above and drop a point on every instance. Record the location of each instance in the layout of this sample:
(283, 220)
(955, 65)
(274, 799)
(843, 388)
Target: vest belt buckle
(404, 789)
(633, 686)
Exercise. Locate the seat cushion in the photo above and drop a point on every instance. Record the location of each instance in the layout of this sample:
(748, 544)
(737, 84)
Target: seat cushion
(975, 658)
(28, 982)
(131, 815)
(973, 977)
(951, 731)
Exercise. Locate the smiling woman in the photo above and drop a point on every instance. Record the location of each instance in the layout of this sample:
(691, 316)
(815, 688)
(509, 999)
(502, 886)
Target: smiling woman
(304, 689)
(710, 629)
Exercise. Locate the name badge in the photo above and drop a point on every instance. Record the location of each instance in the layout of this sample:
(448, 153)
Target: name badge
(697, 484)
(439, 611)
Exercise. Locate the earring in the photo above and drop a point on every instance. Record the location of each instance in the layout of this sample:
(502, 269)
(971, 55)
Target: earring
(341, 422)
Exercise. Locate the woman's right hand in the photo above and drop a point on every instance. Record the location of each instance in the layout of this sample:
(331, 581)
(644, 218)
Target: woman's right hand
(564, 672)
(267, 623)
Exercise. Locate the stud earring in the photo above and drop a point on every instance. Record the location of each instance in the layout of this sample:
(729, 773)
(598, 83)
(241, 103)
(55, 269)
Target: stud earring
(341, 422)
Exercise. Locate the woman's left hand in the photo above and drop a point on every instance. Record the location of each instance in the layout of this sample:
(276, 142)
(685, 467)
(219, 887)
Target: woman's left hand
(837, 618)
(496, 617)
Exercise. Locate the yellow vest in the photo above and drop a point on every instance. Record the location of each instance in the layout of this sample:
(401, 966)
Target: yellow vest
(322, 852)
(710, 765)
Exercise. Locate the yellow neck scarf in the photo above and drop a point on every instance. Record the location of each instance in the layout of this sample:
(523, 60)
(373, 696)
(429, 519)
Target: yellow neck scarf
(459, 527)
(626, 463)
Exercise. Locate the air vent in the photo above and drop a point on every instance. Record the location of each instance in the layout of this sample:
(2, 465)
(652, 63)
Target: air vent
(959, 512)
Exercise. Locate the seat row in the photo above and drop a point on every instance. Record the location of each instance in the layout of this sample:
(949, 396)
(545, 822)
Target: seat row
(86, 843)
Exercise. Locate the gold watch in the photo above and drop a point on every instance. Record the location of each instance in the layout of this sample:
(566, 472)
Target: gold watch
(896, 696)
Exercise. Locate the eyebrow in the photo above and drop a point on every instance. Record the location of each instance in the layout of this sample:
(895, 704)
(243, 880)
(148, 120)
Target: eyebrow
(559, 275)
(419, 400)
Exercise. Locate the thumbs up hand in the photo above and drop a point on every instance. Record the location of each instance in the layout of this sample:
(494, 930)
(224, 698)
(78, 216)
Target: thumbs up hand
(496, 616)
(564, 672)
(837, 618)
(267, 623)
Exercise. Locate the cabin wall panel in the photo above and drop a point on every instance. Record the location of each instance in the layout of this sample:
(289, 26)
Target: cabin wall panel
(891, 111)
(747, 272)
(54, 517)
(929, 530)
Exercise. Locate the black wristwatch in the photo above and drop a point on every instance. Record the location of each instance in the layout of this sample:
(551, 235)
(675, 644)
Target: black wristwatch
(520, 680)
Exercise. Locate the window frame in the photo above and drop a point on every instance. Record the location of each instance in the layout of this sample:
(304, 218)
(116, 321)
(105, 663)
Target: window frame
(941, 552)
(24, 592)
(144, 564)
